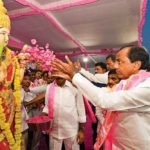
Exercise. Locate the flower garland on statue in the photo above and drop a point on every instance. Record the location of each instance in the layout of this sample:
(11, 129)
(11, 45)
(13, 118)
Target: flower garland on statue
(13, 140)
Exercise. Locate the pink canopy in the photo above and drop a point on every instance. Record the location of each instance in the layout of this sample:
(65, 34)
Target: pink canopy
(76, 27)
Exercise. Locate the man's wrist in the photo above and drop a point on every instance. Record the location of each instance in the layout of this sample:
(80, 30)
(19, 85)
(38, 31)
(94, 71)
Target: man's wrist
(81, 127)
(75, 71)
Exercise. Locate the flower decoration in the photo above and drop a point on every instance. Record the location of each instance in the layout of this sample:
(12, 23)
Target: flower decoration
(42, 56)
(14, 140)
(33, 41)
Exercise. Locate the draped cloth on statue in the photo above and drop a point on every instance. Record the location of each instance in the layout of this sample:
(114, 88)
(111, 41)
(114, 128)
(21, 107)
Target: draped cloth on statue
(104, 134)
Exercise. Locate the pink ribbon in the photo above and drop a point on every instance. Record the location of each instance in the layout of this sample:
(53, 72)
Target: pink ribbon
(51, 95)
(89, 110)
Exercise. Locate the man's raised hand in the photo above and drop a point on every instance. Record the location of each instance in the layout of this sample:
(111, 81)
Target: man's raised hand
(65, 70)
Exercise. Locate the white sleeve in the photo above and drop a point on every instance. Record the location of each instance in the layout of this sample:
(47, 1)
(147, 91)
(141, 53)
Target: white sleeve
(122, 100)
(99, 78)
(38, 89)
(80, 107)
(45, 109)
(99, 115)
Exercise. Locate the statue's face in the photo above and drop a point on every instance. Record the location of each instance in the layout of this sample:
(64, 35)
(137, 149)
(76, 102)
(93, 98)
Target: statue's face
(4, 35)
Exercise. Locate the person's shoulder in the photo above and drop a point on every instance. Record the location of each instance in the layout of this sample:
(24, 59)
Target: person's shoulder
(71, 86)
(49, 85)
(146, 83)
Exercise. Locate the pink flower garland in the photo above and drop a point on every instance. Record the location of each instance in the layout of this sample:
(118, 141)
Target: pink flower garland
(142, 21)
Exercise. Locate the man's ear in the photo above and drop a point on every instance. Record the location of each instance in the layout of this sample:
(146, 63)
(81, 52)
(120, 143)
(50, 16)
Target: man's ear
(137, 65)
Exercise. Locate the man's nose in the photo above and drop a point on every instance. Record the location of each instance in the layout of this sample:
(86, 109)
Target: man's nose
(110, 81)
(116, 65)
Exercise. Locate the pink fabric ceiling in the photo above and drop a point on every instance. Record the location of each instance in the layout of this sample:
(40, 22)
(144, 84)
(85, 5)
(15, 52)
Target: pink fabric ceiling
(79, 26)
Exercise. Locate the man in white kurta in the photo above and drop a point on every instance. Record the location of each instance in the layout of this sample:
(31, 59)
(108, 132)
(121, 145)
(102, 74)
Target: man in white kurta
(131, 129)
(98, 77)
(69, 111)
(101, 73)
(132, 126)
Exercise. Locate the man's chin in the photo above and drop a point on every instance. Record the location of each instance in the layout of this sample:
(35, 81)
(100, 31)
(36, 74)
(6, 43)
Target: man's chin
(110, 85)
(120, 76)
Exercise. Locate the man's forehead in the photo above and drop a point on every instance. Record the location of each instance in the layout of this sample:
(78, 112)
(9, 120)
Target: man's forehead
(123, 52)
(113, 75)
(109, 59)
(98, 67)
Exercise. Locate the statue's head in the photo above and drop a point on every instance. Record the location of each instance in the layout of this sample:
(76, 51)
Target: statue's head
(4, 25)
